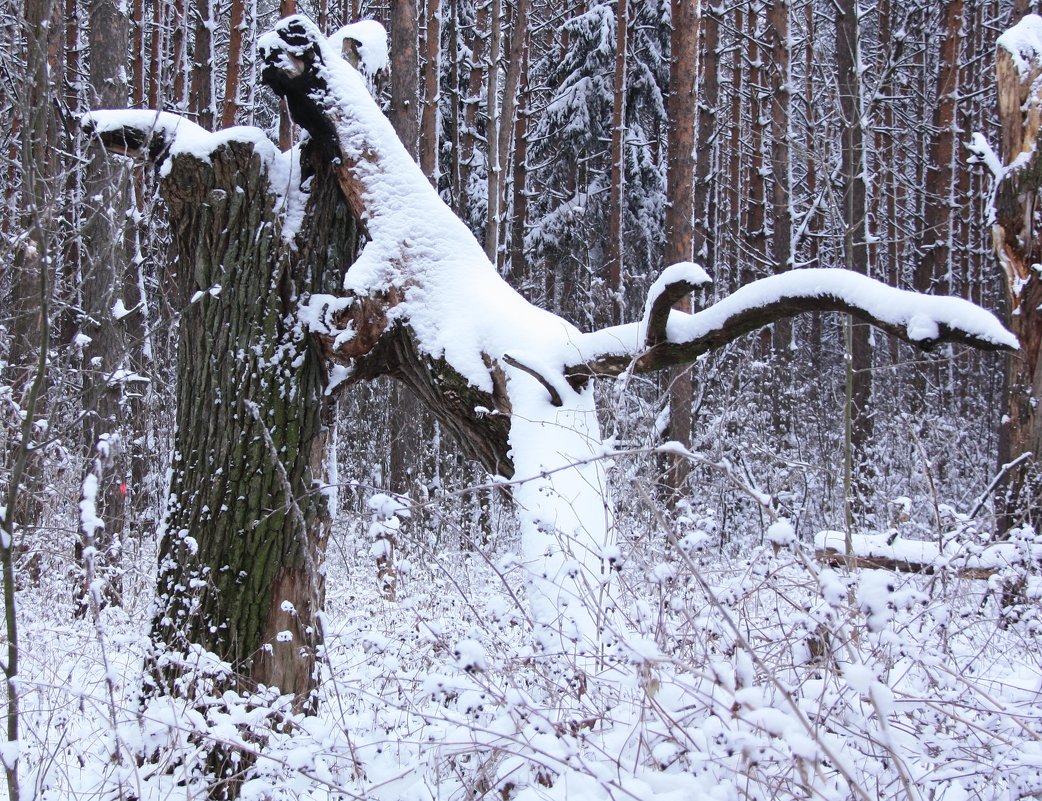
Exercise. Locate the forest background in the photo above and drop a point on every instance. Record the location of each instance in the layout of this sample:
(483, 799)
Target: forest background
(824, 134)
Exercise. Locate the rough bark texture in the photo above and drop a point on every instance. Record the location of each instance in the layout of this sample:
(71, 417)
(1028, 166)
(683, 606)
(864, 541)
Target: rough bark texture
(1019, 247)
(246, 524)
(106, 278)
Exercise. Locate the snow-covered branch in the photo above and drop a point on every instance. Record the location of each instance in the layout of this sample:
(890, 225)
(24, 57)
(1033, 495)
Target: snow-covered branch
(922, 320)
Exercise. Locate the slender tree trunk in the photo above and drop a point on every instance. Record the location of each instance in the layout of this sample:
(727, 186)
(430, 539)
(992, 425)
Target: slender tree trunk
(616, 202)
(111, 307)
(405, 89)
(780, 95)
(679, 227)
(756, 233)
(493, 124)
(178, 27)
(429, 121)
(519, 205)
(202, 101)
(736, 216)
(469, 138)
(408, 422)
(237, 26)
(286, 8)
(854, 214)
(138, 56)
(708, 131)
(508, 119)
(455, 112)
(933, 270)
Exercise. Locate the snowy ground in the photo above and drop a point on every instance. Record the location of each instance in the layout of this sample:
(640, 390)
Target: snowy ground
(760, 677)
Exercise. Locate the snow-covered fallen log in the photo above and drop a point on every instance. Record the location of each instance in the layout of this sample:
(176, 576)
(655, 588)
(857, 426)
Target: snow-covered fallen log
(886, 552)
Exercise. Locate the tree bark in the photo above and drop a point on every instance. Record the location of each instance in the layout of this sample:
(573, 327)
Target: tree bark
(237, 26)
(1019, 247)
(493, 125)
(854, 216)
(933, 270)
(708, 131)
(405, 87)
(617, 181)
(248, 511)
(780, 99)
(107, 280)
(202, 101)
(679, 223)
(429, 134)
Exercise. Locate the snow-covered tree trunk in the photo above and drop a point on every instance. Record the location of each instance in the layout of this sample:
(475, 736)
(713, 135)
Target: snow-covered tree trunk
(247, 511)
(423, 304)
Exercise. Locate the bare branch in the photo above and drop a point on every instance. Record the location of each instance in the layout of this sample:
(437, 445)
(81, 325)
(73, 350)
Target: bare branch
(555, 396)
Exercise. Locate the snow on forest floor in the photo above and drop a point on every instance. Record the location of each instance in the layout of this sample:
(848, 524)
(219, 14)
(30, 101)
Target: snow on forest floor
(759, 677)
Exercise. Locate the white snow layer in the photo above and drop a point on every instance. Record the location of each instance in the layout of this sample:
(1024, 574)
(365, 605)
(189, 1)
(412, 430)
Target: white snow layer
(187, 138)
(1024, 43)
(371, 39)
(459, 308)
(920, 315)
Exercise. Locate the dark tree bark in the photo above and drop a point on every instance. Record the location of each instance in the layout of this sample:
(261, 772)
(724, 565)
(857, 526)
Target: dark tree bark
(201, 100)
(934, 267)
(246, 526)
(107, 279)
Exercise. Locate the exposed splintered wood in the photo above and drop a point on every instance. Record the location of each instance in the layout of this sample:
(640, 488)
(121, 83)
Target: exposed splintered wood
(1018, 247)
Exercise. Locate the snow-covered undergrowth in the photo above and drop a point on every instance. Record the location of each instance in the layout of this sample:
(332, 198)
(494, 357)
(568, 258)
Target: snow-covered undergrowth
(762, 676)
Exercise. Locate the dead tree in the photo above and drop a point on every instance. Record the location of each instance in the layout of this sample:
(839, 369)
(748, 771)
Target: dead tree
(1018, 245)
(421, 303)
